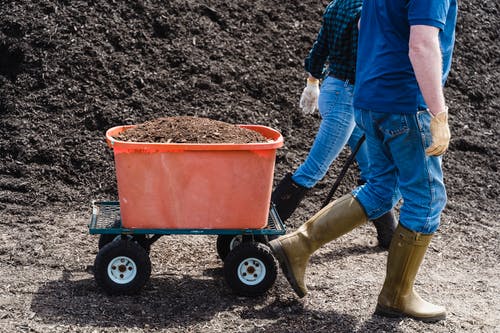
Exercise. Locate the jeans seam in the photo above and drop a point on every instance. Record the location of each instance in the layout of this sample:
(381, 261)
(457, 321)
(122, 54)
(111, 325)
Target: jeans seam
(432, 195)
(333, 105)
(426, 163)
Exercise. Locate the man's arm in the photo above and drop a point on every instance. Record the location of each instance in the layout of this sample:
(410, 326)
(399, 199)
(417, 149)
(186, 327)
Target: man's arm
(425, 57)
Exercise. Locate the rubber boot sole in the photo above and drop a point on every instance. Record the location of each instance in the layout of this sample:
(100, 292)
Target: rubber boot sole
(277, 249)
(385, 311)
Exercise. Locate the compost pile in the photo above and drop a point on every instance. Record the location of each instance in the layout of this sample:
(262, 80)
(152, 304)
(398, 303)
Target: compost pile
(184, 129)
(70, 70)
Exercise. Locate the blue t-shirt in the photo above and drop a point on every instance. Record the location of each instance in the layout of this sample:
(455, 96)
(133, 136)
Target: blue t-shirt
(385, 80)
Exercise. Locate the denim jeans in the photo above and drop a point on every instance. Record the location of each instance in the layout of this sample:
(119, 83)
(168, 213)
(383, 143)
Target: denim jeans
(337, 128)
(396, 146)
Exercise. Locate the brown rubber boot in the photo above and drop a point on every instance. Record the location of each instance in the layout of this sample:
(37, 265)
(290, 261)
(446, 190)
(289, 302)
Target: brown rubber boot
(397, 298)
(293, 250)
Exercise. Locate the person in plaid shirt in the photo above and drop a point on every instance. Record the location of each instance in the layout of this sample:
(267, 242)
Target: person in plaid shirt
(336, 45)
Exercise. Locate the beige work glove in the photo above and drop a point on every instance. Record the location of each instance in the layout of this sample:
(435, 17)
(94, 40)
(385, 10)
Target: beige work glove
(440, 134)
(309, 99)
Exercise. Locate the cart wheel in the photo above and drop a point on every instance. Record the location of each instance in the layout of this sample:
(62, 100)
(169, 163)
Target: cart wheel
(250, 269)
(105, 239)
(226, 243)
(122, 267)
(108, 238)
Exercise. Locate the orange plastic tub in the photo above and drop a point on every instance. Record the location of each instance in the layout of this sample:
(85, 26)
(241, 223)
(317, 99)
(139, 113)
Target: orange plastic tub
(195, 186)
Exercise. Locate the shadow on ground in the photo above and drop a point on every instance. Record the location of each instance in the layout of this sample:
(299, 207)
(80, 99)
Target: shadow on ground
(185, 302)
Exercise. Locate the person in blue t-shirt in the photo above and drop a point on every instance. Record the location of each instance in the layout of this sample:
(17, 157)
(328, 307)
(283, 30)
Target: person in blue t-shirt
(404, 56)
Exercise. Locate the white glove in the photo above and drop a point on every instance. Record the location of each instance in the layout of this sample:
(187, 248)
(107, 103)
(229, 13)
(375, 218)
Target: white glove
(309, 99)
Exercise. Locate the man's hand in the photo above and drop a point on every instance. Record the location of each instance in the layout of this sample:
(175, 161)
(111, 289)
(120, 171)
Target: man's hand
(309, 99)
(440, 134)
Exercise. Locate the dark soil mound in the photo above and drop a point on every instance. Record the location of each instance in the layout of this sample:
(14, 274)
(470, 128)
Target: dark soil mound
(185, 129)
(70, 70)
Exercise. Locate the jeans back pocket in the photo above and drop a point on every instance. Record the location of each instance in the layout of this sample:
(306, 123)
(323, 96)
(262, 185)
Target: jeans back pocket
(395, 124)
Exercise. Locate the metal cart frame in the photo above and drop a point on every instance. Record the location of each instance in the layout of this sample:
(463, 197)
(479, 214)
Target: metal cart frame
(122, 265)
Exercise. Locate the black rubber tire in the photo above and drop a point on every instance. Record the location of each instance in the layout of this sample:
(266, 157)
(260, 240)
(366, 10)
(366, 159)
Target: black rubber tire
(243, 272)
(225, 243)
(122, 248)
(105, 239)
(108, 238)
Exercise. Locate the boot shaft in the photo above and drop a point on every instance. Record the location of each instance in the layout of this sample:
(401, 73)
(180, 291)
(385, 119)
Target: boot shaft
(334, 220)
(287, 196)
(385, 225)
(406, 253)
(294, 249)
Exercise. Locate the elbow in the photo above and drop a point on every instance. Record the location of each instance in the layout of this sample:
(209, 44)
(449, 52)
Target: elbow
(415, 51)
(423, 44)
(419, 45)
(423, 49)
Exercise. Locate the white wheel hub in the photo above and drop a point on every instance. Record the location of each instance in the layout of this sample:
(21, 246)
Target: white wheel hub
(122, 270)
(251, 271)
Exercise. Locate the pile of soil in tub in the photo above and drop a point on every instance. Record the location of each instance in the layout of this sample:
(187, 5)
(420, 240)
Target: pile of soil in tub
(185, 129)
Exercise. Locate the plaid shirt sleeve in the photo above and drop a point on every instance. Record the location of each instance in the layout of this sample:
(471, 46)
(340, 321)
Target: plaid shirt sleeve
(317, 56)
(336, 43)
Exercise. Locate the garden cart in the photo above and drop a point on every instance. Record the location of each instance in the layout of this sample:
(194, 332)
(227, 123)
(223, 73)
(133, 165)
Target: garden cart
(191, 189)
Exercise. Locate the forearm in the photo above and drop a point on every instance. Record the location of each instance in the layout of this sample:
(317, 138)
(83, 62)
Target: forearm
(425, 57)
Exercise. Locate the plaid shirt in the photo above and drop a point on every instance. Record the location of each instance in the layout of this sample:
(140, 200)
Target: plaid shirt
(336, 42)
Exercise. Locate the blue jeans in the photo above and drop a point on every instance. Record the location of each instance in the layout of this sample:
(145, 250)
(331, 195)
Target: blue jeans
(396, 148)
(337, 128)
